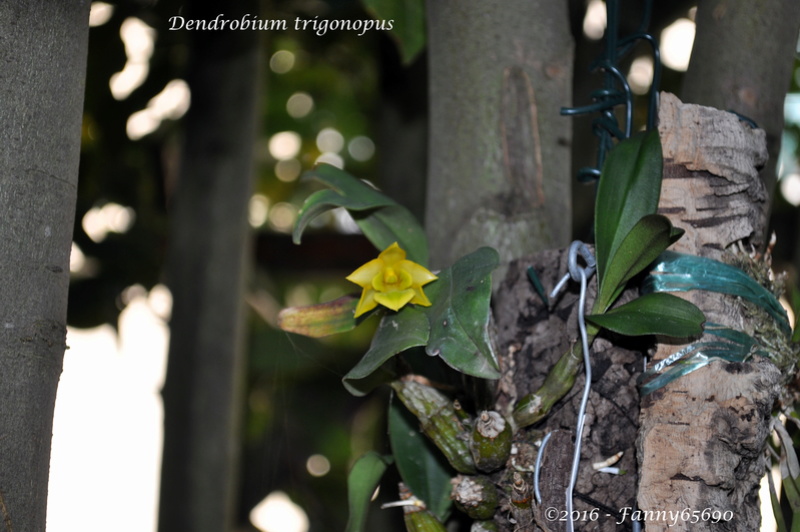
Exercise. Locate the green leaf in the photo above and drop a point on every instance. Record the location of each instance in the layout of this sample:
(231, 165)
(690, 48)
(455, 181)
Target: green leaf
(459, 315)
(347, 185)
(794, 297)
(656, 313)
(408, 24)
(397, 332)
(361, 484)
(383, 220)
(791, 490)
(422, 466)
(651, 235)
(777, 513)
(629, 189)
(325, 200)
(788, 454)
(795, 522)
(320, 320)
(385, 226)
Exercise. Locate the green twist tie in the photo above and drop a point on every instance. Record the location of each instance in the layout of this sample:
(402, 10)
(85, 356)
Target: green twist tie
(737, 347)
(678, 272)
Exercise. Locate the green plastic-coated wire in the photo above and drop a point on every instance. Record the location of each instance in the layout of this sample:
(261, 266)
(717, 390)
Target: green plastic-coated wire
(678, 272)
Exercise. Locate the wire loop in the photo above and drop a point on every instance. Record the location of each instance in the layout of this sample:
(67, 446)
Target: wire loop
(580, 274)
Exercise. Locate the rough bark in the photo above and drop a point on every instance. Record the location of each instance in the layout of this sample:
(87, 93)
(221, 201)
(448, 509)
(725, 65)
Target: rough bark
(205, 271)
(532, 337)
(702, 437)
(43, 46)
(499, 161)
(742, 60)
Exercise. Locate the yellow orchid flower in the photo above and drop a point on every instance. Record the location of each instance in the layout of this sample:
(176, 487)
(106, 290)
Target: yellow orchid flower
(391, 281)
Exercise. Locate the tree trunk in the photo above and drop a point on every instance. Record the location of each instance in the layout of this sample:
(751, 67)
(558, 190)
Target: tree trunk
(43, 45)
(205, 270)
(499, 163)
(701, 443)
(742, 60)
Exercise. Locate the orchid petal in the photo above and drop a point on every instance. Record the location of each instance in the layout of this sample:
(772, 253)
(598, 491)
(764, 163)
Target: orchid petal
(392, 254)
(419, 274)
(366, 303)
(420, 298)
(364, 275)
(394, 300)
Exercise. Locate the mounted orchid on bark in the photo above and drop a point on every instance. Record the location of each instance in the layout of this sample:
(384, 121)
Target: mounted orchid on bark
(629, 237)
(446, 314)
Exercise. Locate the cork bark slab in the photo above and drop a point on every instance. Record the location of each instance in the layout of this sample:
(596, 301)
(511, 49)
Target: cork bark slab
(701, 440)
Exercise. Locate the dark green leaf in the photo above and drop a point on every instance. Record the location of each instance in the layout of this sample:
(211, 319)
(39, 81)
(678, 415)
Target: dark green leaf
(459, 316)
(794, 297)
(325, 200)
(408, 23)
(320, 320)
(422, 466)
(629, 188)
(382, 220)
(387, 225)
(650, 236)
(361, 484)
(656, 313)
(347, 185)
(792, 491)
(788, 454)
(775, 502)
(397, 332)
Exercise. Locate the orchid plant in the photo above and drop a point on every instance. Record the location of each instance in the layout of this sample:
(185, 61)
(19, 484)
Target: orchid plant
(447, 314)
(449, 317)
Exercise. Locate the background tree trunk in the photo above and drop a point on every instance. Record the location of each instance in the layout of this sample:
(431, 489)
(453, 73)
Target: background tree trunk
(742, 60)
(205, 270)
(44, 46)
(499, 163)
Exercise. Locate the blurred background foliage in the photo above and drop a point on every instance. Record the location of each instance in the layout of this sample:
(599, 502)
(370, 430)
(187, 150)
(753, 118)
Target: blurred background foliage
(340, 98)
